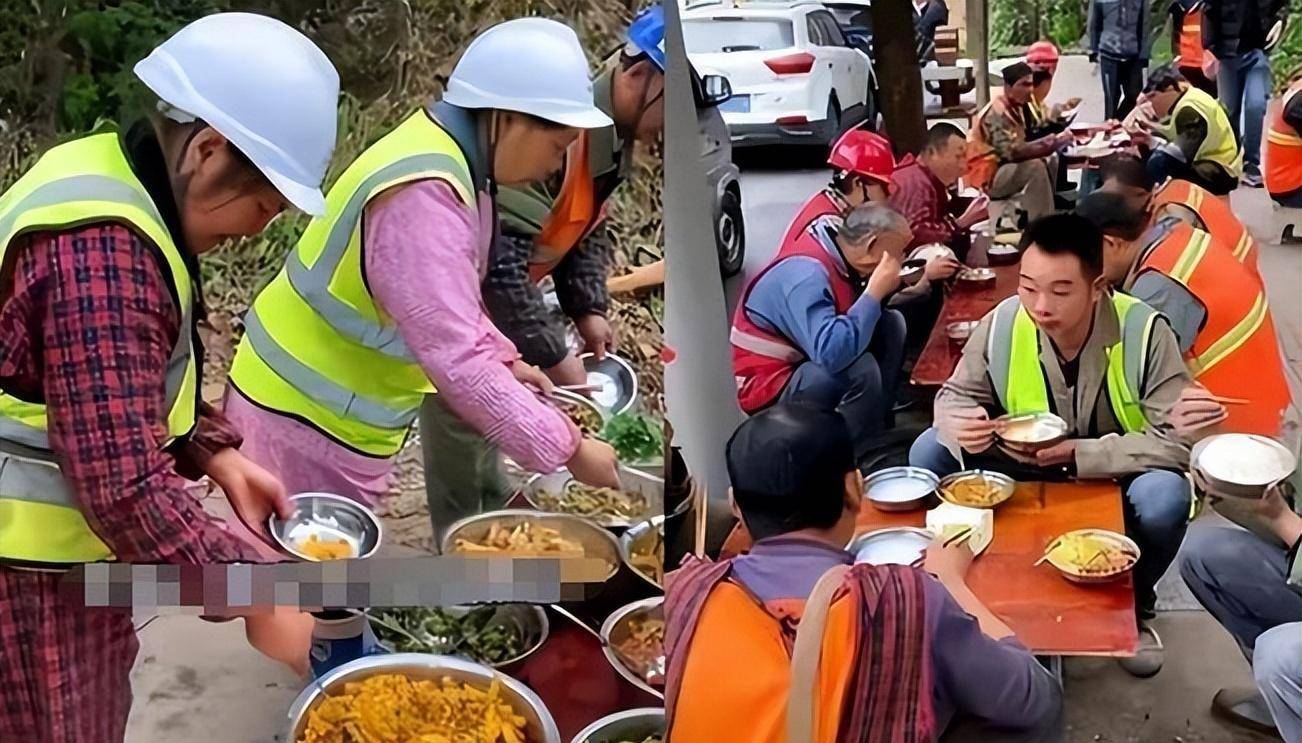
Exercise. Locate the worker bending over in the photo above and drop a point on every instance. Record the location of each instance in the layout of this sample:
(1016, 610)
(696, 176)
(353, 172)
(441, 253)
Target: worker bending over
(1195, 140)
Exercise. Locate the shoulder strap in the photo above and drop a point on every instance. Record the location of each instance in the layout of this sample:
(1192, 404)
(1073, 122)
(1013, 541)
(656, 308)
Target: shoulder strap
(805, 656)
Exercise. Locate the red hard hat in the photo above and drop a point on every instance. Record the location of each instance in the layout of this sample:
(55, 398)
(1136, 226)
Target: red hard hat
(863, 153)
(1042, 54)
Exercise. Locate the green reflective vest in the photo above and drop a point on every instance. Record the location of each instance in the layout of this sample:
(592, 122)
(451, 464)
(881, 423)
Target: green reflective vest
(82, 182)
(1220, 146)
(1014, 353)
(316, 346)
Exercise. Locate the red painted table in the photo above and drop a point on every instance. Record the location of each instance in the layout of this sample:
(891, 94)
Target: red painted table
(939, 356)
(1050, 615)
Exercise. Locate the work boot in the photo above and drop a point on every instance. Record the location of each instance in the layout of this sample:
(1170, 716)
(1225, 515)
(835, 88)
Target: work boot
(1245, 708)
(1148, 657)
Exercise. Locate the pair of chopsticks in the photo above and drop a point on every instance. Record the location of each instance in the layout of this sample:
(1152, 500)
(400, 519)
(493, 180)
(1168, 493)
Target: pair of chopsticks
(579, 387)
(959, 537)
(1047, 550)
(1230, 400)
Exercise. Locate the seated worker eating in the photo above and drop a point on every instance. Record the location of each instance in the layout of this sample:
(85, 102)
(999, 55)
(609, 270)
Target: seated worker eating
(1216, 305)
(1188, 202)
(792, 642)
(1108, 365)
(1002, 159)
(812, 325)
(1197, 142)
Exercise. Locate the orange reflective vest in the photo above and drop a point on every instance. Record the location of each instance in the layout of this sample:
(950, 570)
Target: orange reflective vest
(1215, 215)
(738, 673)
(573, 215)
(1236, 353)
(1283, 148)
(982, 163)
(1192, 52)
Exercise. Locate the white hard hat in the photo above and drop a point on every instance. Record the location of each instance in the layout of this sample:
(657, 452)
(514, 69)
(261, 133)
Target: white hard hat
(263, 86)
(531, 65)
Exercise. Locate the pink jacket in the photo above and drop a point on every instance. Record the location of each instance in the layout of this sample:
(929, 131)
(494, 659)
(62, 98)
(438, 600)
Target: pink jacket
(425, 255)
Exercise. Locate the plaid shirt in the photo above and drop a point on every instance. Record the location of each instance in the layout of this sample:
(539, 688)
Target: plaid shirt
(516, 303)
(86, 326)
(922, 199)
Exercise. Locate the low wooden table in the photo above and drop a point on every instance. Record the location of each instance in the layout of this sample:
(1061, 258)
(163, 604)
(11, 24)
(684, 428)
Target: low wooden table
(1050, 615)
(939, 357)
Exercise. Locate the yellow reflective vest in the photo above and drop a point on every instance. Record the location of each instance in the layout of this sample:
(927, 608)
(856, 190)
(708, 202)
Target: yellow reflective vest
(316, 346)
(81, 182)
(1220, 145)
(1019, 383)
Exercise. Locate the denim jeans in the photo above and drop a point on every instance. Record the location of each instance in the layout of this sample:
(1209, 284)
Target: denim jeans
(863, 392)
(1122, 79)
(1156, 507)
(1244, 85)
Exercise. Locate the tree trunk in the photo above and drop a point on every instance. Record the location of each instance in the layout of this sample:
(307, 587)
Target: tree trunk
(899, 78)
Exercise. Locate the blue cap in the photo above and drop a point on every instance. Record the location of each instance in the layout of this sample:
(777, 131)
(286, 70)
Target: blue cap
(647, 34)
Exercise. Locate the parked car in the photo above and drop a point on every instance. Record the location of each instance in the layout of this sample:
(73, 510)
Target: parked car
(722, 176)
(795, 77)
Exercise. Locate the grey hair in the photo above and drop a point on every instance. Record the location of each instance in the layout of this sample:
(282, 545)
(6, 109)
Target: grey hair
(872, 219)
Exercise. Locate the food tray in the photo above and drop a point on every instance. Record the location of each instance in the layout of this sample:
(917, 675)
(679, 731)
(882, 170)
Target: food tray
(900, 488)
(332, 514)
(615, 629)
(1004, 484)
(539, 725)
(897, 545)
(648, 486)
(616, 379)
(628, 725)
(1213, 464)
(597, 543)
(1073, 575)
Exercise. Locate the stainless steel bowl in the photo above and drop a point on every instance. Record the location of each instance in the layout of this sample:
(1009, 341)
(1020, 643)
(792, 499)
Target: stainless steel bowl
(1074, 576)
(539, 725)
(635, 481)
(629, 725)
(879, 487)
(959, 332)
(1004, 483)
(1033, 432)
(597, 542)
(1207, 460)
(976, 276)
(1002, 254)
(333, 512)
(912, 270)
(897, 545)
(572, 398)
(617, 379)
(615, 629)
(640, 536)
(529, 621)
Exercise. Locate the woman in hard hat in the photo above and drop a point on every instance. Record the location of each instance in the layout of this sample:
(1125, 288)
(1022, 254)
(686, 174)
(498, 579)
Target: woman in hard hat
(379, 303)
(99, 359)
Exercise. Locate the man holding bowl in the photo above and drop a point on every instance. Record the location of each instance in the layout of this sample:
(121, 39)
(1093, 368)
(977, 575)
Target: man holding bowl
(1105, 369)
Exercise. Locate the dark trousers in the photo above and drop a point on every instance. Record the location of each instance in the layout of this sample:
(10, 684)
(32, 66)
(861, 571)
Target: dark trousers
(1162, 165)
(863, 392)
(1122, 80)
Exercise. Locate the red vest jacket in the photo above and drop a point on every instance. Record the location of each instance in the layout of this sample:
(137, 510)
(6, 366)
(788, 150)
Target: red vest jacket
(763, 361)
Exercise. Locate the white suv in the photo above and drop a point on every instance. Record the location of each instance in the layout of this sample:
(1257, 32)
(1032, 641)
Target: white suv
(794, 77)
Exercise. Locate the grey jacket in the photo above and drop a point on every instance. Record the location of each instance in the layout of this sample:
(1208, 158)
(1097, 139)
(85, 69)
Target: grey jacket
(1119, 29)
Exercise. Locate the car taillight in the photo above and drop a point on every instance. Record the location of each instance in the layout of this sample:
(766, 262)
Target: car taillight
(791, 64)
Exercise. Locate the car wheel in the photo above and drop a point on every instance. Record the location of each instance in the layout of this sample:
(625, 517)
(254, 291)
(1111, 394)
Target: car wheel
(833, 122)
(730, 234)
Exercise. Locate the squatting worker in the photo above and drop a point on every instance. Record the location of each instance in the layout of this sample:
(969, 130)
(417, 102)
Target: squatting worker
(558, 228)
(1197, 142)
(1183, 200)
(1105, 363)
(1283, 166)
(796, 488)
(813, 326)
(1216, 305)
(99, 358)
(862, 164)
(379, 303)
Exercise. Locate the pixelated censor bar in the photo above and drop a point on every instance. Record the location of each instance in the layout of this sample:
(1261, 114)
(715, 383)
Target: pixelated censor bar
(340, 584)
